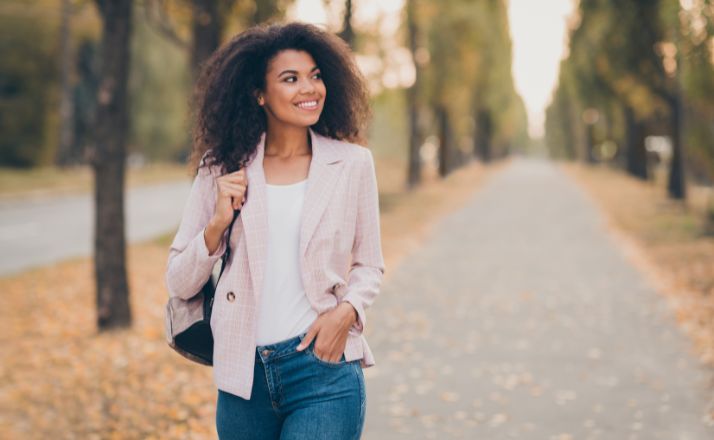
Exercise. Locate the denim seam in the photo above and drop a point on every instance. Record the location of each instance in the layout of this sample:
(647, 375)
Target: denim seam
(363, 399)
(268, 378)
(279, 388)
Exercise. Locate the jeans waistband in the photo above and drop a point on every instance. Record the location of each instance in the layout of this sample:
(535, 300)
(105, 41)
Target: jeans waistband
(273, 351)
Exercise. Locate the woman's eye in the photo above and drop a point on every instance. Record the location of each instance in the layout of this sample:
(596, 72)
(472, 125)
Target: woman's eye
(294, 78)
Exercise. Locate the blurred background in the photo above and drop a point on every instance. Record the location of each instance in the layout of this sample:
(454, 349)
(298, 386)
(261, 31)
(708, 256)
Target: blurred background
(95, 136)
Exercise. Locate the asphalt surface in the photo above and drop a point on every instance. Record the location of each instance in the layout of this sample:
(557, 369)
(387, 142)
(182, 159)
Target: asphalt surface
(520, 318)
(43, 231)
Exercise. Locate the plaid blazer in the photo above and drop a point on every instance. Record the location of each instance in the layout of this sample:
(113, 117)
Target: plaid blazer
(340, 253)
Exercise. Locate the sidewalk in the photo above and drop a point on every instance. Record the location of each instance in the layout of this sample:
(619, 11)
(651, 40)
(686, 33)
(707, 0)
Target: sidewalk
(521, 318)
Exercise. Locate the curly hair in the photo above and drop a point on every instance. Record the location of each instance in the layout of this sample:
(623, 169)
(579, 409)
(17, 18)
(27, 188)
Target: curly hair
(229, 121)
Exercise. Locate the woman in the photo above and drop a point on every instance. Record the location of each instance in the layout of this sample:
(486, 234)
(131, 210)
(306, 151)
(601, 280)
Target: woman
(280, 110)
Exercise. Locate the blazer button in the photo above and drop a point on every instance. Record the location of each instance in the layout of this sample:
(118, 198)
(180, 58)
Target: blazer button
(230, 296)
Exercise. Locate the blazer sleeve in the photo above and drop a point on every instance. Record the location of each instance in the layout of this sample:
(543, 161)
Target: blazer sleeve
(367, 269)
(189, 264)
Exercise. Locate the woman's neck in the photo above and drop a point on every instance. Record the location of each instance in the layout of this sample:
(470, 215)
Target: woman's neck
(287, 142)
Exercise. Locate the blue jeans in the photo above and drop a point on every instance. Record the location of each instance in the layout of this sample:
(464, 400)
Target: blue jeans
(295, 396)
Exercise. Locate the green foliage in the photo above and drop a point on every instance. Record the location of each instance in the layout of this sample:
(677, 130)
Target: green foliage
(469, 71)
(28, 81)
(388, 130)
(160, 90)
(698, 84)
(561, 119)
(637, 55)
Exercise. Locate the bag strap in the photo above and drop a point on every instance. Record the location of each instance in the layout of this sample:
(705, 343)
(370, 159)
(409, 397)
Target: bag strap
(227, 254)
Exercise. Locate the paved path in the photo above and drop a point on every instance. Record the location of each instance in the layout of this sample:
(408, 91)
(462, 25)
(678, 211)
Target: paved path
(39, 232)
(521, 318)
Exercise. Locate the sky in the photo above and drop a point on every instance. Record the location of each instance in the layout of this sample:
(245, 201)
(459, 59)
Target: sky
(538, 31)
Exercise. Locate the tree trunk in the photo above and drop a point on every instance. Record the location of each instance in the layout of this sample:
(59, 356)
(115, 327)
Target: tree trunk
(108, 161)
(590, 144)
(610, 133)
(347, 33)
(207, 31)
(636, 156)
(442, 116)
(676, 185)
(413, 107)
(482, 139)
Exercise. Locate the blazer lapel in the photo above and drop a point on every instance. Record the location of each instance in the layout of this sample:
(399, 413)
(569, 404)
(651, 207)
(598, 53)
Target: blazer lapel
(254, 217)
(325, 170)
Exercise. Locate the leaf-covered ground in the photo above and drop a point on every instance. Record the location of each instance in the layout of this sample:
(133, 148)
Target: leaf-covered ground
(60, 378)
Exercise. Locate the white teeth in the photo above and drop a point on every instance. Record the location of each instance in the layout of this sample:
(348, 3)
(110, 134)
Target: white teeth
(308, 104)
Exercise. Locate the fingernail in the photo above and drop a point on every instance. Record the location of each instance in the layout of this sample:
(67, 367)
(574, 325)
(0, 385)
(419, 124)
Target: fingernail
(299, 347)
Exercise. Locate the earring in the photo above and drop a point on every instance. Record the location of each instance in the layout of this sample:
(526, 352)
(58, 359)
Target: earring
(260, 101)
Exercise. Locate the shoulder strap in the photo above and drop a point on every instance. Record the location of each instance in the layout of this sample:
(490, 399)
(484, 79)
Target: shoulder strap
(227, 253)
(228, 240)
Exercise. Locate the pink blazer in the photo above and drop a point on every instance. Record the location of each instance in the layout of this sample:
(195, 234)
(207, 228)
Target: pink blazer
(340, 253)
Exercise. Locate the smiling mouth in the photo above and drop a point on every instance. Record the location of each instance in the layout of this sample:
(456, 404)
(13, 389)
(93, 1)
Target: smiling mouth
(307, 105)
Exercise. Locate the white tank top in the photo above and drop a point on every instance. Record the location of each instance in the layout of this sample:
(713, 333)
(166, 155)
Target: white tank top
(284, 310)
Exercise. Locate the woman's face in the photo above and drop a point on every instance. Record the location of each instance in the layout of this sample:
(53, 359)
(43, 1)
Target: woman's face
(294, 92)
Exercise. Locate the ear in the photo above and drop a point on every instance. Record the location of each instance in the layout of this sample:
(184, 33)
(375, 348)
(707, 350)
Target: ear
(259, 97)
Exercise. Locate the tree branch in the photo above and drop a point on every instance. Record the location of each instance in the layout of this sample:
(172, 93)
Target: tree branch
(156, 15)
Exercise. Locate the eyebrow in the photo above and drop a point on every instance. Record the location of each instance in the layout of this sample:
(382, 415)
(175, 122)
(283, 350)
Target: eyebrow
(294, 72)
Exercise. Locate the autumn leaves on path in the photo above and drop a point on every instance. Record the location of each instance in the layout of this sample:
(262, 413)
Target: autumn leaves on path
(521, 318)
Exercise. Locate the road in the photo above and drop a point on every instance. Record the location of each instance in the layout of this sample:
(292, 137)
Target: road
(521, 318)
(43, 231)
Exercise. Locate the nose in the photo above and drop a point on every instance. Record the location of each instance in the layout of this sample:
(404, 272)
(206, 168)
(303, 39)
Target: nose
(306, 86)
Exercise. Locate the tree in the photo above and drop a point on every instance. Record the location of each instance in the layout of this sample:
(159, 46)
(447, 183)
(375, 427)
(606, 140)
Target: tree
(209, 21)
(108, 158)
(468, 81)
(413, 101)
(348, 33)
(27, 82)
(597, 76)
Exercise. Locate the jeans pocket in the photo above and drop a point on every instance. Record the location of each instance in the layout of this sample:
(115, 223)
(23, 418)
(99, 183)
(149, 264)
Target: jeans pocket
(313, 356)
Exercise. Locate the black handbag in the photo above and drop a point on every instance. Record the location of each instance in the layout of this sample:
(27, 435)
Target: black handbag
(188, 322)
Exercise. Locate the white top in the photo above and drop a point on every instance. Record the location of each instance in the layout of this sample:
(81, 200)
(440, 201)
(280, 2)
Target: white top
(284, 310)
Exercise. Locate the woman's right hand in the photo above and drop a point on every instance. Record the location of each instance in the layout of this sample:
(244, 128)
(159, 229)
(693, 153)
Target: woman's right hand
(230, 195)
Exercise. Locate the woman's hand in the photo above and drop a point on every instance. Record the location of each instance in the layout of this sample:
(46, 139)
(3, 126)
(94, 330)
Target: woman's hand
(332, 328)
(230, 195)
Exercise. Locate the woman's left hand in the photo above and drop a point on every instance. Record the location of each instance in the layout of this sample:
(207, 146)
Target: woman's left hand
(332, 328)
